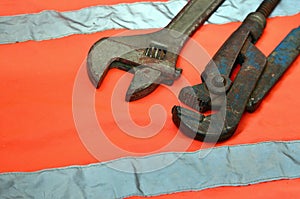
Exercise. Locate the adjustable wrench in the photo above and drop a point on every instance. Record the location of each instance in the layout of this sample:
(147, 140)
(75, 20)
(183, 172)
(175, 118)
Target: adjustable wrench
(151, 57)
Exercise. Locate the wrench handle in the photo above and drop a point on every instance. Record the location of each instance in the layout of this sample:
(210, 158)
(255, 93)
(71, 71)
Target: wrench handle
(267, 6)
(193, 15)
(278, 62)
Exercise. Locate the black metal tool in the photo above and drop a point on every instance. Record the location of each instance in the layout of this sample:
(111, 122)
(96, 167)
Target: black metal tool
(248, 88)
(151, 57)
(216, 76)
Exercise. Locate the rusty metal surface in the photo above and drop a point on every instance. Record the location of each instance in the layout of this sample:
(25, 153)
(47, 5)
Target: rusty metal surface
(278, 62)
(217, 90)
(226, 120)
(226, 59)
(156, 51)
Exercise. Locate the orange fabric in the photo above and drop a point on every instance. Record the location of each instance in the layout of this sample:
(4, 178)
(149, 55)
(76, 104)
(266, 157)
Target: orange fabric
(37, 126)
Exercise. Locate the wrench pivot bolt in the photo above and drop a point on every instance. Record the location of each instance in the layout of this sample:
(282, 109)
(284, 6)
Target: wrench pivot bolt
(219, 81)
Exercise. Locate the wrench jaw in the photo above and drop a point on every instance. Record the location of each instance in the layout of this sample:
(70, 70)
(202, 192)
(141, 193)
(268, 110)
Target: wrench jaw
(136, 94)
(151, 73)
(200, 98)
(160, 50)
(217, 73)
(249, 87)
(101, 58)
(196, 97)
(95, 75)
(144, 82)
(212, 128)
(150, 63)
(222, 125)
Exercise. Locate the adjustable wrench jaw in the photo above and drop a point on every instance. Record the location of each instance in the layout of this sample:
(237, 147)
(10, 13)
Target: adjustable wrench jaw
(98, 66)
(151, 63)
(156, 51)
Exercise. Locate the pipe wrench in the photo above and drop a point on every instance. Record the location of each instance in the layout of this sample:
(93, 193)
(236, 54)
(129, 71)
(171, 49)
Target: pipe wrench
(257, 75)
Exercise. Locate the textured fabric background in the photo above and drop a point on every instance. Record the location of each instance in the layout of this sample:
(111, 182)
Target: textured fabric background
(38, 130)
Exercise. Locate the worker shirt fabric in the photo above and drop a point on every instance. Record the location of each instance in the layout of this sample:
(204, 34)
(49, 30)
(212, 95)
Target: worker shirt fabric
(62, 138)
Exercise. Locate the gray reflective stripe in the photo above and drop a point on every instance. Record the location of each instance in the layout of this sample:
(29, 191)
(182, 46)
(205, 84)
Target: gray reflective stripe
(52, 24)
(237, 10)
(223, 166)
